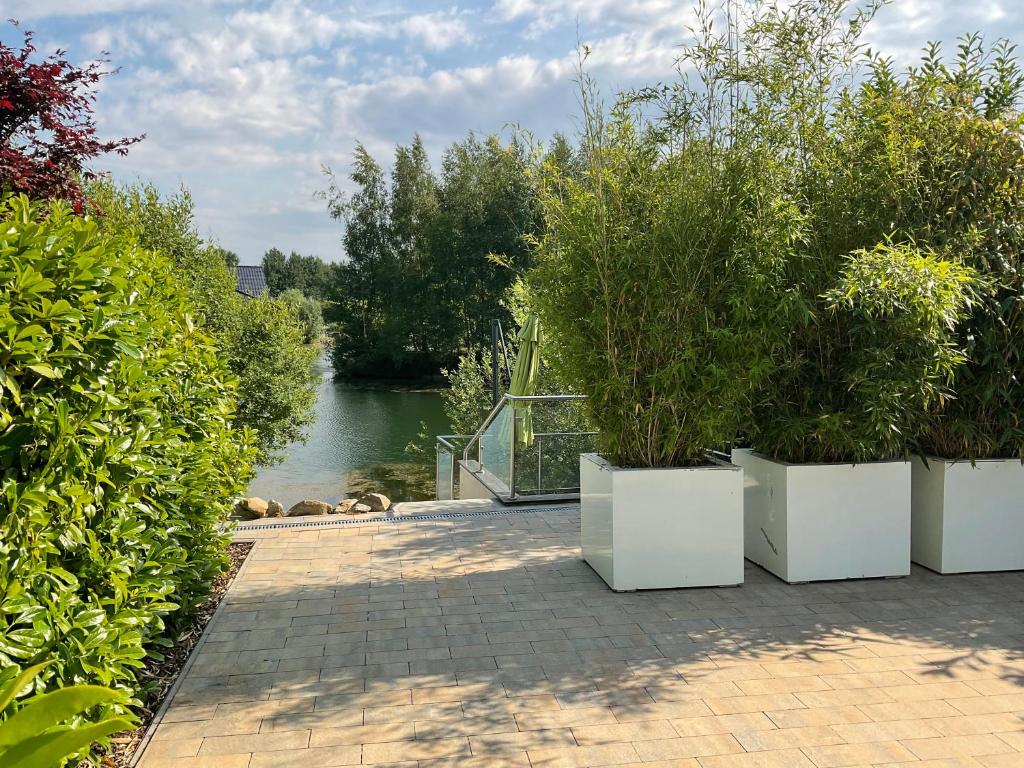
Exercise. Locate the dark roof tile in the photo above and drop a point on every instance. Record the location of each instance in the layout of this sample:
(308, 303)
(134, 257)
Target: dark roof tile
(251, 281)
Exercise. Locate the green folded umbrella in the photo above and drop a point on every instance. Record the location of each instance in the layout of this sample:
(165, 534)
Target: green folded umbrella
(524, 377)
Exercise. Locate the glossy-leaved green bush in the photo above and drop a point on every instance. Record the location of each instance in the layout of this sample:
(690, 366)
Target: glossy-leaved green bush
(43, 733)
(119, 459)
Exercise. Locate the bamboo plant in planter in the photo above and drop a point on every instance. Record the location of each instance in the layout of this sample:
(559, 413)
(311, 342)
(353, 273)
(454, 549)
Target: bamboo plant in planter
(863, 330)
(827, 492)
(649, 302)
(968, 486)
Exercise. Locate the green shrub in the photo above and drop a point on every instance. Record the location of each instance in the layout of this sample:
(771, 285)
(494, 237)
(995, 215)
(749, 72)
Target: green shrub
(918, 176)
(309, 313)
(885, 357)
(39, 735)
(941, 151)
(262, 340)
(642, 292)
(786, 246)
(118, 453)
(264, 346)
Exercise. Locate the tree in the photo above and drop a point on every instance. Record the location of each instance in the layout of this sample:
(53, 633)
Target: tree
(309, 275)
(488, 208)
(274, 271)
(261, 338)
(230, 257)
(362, 344)
(309, 313)
(428, 258)
(47, 132)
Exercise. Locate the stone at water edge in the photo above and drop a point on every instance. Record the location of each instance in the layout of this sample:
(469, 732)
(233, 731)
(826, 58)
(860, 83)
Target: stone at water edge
(252, 508)
(360, 509)
(275, 509)
(344, 507)
(377, 502)
(310, 507)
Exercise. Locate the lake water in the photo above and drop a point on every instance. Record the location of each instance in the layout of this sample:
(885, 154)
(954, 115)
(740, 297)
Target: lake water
(357, 444)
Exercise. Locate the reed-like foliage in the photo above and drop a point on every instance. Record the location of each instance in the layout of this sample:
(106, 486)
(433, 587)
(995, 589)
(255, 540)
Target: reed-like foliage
(644, 293)
(795, 244)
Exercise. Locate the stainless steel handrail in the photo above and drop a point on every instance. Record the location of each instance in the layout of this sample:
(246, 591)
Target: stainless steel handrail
(518, 398)
(497, 485)
(483, 427)
(515, 399)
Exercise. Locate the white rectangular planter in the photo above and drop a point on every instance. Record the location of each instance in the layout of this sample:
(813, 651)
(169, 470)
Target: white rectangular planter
(818, 522)
(968, 518)
(662, 528)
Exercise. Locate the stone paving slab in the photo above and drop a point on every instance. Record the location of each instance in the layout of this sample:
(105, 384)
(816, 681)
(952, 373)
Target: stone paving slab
(488, 642)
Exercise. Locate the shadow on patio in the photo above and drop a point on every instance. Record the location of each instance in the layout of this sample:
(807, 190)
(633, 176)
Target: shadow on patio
(487, 641)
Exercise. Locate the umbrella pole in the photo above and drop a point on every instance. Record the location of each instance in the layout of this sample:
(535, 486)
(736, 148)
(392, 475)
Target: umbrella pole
(494, 362)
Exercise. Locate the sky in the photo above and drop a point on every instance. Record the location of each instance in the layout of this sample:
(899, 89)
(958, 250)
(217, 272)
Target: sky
(245, 101)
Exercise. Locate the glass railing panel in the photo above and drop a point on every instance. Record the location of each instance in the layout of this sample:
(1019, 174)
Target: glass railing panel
(445, 474)
(549, 463)
(495, 447)
(530, 447)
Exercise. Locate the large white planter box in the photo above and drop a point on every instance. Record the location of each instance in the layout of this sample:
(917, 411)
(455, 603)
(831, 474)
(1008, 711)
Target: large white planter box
(817, 522)
(662, 528)
(968, 518)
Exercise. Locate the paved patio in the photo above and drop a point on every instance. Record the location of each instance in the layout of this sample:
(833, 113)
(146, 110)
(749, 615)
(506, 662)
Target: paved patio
(486, 641)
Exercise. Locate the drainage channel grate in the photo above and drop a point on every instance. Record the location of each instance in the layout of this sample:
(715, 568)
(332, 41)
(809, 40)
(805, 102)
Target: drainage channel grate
(409, 518)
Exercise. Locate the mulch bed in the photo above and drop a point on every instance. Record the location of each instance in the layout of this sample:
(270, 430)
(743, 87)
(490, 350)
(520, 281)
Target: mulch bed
(157, 677)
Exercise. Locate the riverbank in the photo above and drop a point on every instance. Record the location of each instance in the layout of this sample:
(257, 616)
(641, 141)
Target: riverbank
(358, 443)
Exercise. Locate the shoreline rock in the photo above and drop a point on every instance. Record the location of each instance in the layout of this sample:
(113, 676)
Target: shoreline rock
(377, 502)
(344, 507)
(252, 508)
(310, 507)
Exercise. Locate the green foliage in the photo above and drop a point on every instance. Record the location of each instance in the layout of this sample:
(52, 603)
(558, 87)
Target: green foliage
(914, 174)
(266, 348)
(309, 275)
(37, 736)
(641, 290)
(797, 244)
(888, 349)
(468, 398)
(943, 159)
(119, 455)
(262, 339)
(428, 257)
(309, 313)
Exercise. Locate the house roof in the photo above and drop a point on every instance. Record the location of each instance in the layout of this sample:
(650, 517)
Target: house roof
(250, 281)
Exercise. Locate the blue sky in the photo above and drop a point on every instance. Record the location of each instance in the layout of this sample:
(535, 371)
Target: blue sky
(243, 101)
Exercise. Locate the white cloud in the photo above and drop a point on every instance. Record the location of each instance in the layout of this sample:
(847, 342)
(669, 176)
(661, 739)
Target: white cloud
(550, 12)
(437, 31)
(40, 9)
(243, 100)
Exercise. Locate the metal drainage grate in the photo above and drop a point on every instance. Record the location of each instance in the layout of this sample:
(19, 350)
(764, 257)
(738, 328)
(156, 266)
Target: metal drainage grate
(408, 518)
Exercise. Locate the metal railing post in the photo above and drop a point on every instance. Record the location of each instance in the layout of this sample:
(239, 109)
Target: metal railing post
(512, 458)
(540, 455)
